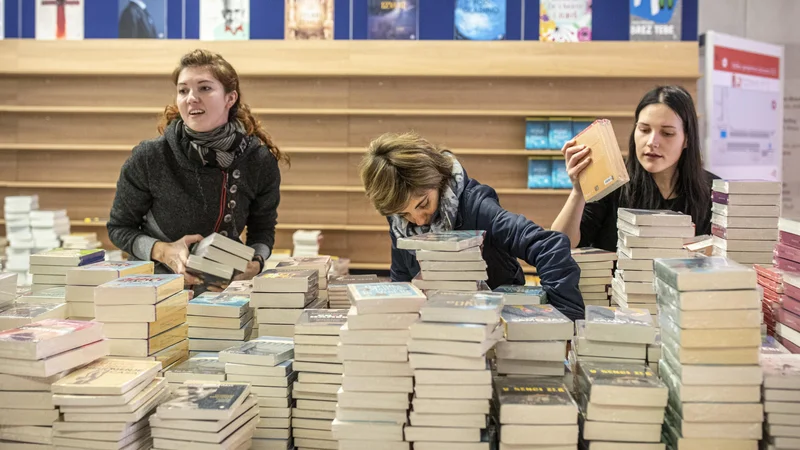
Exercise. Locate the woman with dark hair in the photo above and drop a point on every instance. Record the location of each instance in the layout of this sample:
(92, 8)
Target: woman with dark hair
(665, 169)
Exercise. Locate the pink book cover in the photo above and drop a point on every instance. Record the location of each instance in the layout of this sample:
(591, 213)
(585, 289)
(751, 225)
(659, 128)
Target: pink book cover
(789, 319)
(769, 272)
(45, 330)
(786, 238)
(786, 252)
(770, 294)
(789, 346)
(786, 266)
(790, 304)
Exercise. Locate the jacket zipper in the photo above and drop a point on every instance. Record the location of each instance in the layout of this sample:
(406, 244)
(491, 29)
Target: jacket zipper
(222, 199)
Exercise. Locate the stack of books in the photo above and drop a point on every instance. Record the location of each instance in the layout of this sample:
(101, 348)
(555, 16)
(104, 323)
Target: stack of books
(146, 317)
(265, 364)
(17, 214)
(521, 295)
(374, 398)
(47, 227)
(322, 264)
(106, 404)
(82, 280)
(280, 297)
(645, 235)
(218, 321)
(620, 403)
(339, 266)
(306, 242)
(787, 258)
(200, 367)
(21, 313)
(770, 281)
(781, 400)
(535, 412)
(34, 356)
(536, 341)
(597, 271)
(245, 288)
(8, 288)
(216, 258)
(614, 335)
(744, 219)
(80, 241)
(319, 376)
(337, 289)
(449, 260)
(711, 339)
(51, 295)
(453, 383)
(50, 267)
(212, 415)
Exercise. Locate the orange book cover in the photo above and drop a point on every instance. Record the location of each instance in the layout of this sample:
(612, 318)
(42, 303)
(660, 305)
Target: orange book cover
(606, 173)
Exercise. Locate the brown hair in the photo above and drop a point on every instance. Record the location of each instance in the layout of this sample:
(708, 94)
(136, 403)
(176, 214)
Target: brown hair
(399, 166)
(225, 74)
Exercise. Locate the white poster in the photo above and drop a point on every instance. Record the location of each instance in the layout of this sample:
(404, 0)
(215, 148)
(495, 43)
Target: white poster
(2, 20)
(224, 20)
(59, 19)
(743, 107)
(791, 134)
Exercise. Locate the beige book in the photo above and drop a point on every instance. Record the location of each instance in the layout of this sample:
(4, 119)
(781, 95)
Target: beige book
(586, 347)
(33, 417)
(704, 375)
(606, 173)
(710, 394)
(453, 377)
(311, 424)
(624, 432)
(147, 347)
(232, 323)
(328, 368)
(720, 412)
(306, 349)
(373, 368)
(313, 434)
(377, 384)
(311, 414)
(447, 420)
(389, 432)
(367, 415)
(79, 293)
(107, 376)
(269, 329)
(397, 401)
(539, 435)
(142, 313)
(693, 356)
(443, 434)
(144, 330)
(463, 392)
(272, 433)
(316, 444)
(61, 362)
(445, 406)
(257, 380)
(154, 388)
(316, 405)
(523, 367)
(27, 400)
(329, 341)
(318, 388)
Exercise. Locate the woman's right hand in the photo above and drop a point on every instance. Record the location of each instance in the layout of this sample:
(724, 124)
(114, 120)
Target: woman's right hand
(175, 254)
(577, 157)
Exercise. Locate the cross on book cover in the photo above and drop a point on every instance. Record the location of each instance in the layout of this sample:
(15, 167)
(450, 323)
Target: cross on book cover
(224, 20)
(142, 19)
(59, 19)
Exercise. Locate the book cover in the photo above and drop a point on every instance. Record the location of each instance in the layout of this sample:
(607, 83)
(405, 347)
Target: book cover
(532, 391)
(618, 316)
(656, 20)
(540, 172)
(444, 241)
(537, 130)
(154, 281)
(397, 20)
(617, 374)
(59, 19)
(533, 314)
(32, 311)
(323, 318)
(50, 295)
(565, 20)
(224, 20)
(480, 20)
(560, 176)
(606, 173)
(367, 291)
(559, 131)
(104, 271)
(711, 273)
(309, 19)
(277, 348)
(47, 337)
(209, 401)
(221, 299)
(67, 257)
(203, 363)
(107, 376)
(533, 291)
(142, 19)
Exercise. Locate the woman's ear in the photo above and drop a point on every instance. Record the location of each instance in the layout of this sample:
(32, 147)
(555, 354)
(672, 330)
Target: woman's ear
(232, 97)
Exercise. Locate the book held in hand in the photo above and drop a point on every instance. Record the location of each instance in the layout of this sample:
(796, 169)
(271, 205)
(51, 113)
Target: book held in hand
(606, 173)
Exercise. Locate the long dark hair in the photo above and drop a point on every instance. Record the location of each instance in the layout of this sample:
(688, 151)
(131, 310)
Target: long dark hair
(691, 184)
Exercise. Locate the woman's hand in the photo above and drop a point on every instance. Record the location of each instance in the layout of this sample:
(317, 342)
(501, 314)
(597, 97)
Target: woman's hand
(175, 254)
(251, 271)
(577, 157)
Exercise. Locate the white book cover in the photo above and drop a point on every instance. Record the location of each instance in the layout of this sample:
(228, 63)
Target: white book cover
(2, 21)
(224, 20)
(107, 376)
(204, 401)
(263, 351)
(59, 19)
(452, 241)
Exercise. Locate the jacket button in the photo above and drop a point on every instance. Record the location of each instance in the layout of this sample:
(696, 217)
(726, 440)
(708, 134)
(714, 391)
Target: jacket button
(234, 188)
(237, 174)
(223, 233)
(232, 204)
(227, 218)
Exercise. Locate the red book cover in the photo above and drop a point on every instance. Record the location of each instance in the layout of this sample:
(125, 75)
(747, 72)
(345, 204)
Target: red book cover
(769, 285)
(786, 252)
(792, 240)
(790, 304)
(791, 291)
(786, 265)
(789, 346)
(771, 295)
(769, 272)
(789, 319)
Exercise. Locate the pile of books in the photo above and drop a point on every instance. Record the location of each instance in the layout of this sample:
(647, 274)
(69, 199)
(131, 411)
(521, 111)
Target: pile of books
(781, 400)
(200, 367)
(772, 287)
(620, 403)
(34, 356)
(450, 260)
(452, 380)
(536, 341)
(535, 412)
(322, 264)
(245, 288)
(645, 235)
(81, 241)
(265, 364)
(21, 313)
(280, 297)
(614, 335)
(146, 317)
(787, 258)
(711, 340)
(47, 227)
(212, 415)
(319, 376)
(50, 267)
(216, 258)
(337, 289)
(106, 404)
(521, 295)
(306, 242)
(218, 321)
(82, 280)
(744, 219)
(17, 214)
(597, 267)
(374, 398)
(8, 288)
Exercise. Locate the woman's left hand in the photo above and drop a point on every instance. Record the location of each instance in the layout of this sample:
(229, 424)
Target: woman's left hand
(250, 272)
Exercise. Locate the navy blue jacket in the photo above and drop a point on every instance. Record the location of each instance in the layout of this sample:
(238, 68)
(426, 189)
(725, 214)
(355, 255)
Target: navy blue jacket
(509, 236)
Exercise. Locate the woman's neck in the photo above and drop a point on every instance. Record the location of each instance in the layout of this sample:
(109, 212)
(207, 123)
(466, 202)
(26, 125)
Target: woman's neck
(665, 181)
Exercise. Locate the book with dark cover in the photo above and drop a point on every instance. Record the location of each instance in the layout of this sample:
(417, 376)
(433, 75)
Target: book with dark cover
(445, 241)
(322, 318)
(532, 391)
(616, 374)
(396, 19)
(204, 401)
(704, 274)
(203, 363)
(533, 314)
(480, 20)
(618, 316)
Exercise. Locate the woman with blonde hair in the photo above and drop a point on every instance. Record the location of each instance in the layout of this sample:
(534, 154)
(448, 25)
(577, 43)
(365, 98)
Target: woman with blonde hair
(421, 188)
(213, 169)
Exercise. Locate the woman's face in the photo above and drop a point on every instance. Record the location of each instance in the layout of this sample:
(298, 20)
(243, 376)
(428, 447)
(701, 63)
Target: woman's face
(659, 138)
(420, 209)
(202, 100)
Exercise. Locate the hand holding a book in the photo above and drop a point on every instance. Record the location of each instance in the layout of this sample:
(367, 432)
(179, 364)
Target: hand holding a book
(175, 254)
(577, 157)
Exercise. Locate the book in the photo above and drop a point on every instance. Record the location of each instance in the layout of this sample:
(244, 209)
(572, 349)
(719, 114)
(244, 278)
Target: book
(384, 298)
(263, 351)
(209, 272)
(218, 305)
(536, 134)
(534, 401)
(226, 244)
(204, 401)
(452, 241)
(48, 337)
(746, 187)
(565, 21)
(628, 325)
(67, 257)
(326, 322)
(606, 173)
(561, 178)
(462, 307)
(704, 274)
(540, 172)
(480, 20)
(20, 313)
(107, 376)
(622, 384)
(559, 131)
(309, 20)
(222, 20)
(102, 272)
(522, 295)
(536, 323)
(59, 20)
(655, 20)
(397, 20)
(654, 217)
(142, 22)
(138, 289)
(273, 280)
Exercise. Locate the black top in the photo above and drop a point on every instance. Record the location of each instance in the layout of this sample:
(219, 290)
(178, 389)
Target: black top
(599, 221)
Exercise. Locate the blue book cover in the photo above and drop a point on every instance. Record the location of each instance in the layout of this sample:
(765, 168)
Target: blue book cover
(540, 174)
(580, 123)
(480, 20)
(397, 20)
(559, 133)
(216, 299)
(536, 291)
(655, 20)
(536, 134)
(560, 176)
(385, 290)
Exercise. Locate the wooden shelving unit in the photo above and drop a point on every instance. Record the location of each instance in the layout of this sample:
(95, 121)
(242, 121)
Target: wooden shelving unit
(71, 111)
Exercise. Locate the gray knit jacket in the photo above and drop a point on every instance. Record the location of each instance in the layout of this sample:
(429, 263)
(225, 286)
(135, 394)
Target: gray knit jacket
(162, 195)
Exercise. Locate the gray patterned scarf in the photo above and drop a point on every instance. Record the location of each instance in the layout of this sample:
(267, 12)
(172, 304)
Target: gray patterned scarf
(218, 147)
(445, 217)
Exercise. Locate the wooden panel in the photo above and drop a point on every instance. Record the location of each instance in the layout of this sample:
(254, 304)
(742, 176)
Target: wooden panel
(497, 171)
(361, 212)
(316, 169)
(467, 132)
(70, 166)
(313, 207)
(541, 209)
(79, 203)
(333, 242)
(282, 92)
(8, 167)
(369, 247)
